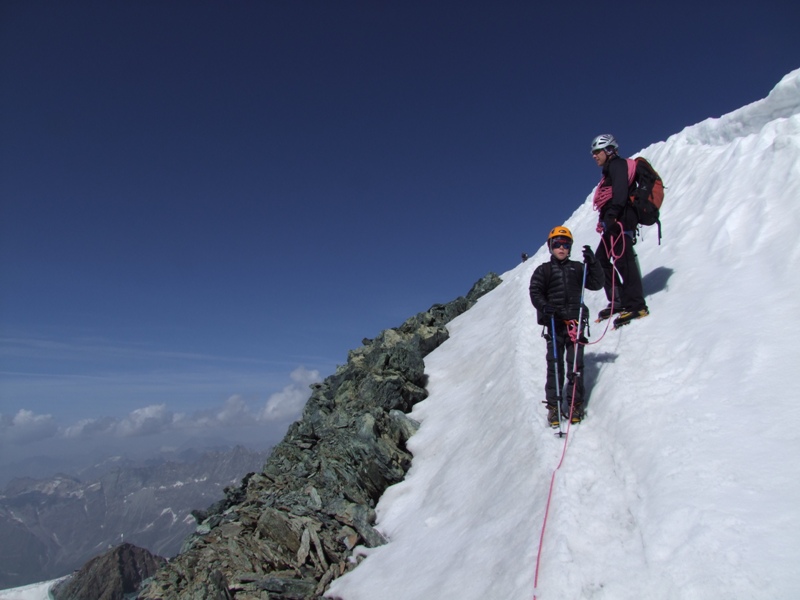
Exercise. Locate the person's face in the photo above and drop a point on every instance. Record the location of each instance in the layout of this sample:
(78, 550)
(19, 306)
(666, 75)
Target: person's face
(560, 248)
(600, 157)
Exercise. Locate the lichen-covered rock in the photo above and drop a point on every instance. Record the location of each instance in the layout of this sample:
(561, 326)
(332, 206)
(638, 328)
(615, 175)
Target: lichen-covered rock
(287, 531)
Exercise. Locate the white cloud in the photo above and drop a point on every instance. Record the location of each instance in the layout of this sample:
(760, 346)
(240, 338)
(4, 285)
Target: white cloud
(242, 419)
(234, 411)
(290, 401)
(90, 427)
(151, 419)
(26, 427)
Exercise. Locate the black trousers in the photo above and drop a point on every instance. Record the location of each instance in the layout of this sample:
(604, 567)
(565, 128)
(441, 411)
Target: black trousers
(565, 360)
(626, 278)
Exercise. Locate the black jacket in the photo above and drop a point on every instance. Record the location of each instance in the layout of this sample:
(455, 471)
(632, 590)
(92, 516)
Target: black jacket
(558, 283)
(619, 206)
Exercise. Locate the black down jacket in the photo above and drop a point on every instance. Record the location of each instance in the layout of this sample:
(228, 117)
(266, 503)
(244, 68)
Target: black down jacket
(558, 283)
(619, 206)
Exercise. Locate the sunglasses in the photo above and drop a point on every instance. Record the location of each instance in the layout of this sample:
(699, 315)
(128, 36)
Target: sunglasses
(565, 245)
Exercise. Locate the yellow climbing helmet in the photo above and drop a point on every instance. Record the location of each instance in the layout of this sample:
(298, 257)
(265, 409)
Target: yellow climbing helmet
(560, 231)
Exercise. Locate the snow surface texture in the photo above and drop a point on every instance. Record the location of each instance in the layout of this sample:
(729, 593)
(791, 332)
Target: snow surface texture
(684, 481)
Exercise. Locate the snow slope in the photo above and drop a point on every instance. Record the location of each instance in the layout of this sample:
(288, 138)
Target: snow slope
(35, 591)
(684, 481)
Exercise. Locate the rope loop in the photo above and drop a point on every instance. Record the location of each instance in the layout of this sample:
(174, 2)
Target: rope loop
(573, 331)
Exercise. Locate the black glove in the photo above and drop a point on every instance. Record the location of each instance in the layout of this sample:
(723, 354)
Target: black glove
(588, 256)
(549, 310)
(610, 226)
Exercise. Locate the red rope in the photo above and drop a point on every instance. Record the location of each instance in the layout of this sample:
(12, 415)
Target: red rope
(611, 255)
(550, 492)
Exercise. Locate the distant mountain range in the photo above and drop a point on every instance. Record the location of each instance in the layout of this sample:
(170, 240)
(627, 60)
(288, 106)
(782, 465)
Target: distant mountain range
(52, 526)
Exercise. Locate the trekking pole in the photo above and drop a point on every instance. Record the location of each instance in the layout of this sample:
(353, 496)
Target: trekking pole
(555, 366)
(577, 342)
(580, 312)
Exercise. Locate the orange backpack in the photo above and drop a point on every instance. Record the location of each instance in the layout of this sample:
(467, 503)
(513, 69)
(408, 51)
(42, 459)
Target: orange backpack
(648, 193)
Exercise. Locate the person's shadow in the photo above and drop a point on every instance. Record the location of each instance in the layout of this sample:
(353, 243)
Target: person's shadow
(591, 371)
(656, 280)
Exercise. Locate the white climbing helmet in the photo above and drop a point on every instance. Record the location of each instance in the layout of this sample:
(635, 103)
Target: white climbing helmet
(604, 140)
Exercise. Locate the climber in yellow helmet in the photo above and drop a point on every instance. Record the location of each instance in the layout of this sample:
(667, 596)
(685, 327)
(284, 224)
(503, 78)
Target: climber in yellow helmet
(556, 291)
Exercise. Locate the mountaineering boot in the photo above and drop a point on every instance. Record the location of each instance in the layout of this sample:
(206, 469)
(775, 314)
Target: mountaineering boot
(606, 312)
(552, 416)
(577, 413)
(628, 316)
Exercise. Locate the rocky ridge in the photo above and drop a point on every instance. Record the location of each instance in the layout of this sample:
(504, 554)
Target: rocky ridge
(287, 531)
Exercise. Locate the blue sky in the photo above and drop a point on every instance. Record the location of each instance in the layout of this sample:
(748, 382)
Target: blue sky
(205, 205)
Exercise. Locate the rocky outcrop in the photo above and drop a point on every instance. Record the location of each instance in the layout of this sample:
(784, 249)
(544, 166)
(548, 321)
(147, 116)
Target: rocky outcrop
(287, 531)
(115, 575)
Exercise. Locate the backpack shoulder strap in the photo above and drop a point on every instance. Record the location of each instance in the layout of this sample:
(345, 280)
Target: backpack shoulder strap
(631, 169)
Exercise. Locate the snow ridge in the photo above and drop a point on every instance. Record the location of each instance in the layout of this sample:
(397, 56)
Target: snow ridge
(681, 483)
(782, 102)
